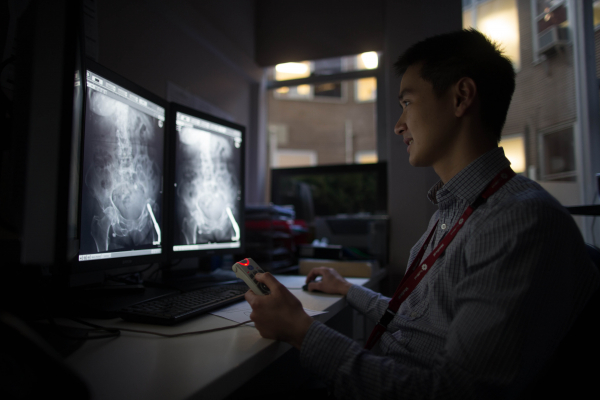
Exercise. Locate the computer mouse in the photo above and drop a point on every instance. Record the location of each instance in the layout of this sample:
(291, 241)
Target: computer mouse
(305, 288)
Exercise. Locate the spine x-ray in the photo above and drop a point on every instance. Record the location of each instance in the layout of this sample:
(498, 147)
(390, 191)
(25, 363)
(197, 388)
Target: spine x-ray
(122, 177)
(207, 198)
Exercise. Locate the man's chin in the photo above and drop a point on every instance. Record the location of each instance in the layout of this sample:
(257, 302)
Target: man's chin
(414, 161)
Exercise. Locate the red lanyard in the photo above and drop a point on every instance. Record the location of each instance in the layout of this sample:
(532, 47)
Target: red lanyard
(415, 274)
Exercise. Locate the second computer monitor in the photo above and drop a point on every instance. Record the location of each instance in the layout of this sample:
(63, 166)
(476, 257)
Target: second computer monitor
(207, 193)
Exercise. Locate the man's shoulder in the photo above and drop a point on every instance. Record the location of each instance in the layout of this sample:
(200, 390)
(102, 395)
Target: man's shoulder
(523, 204)
(523, 193)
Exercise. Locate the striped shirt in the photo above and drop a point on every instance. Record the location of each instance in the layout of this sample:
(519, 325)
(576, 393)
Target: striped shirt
(489, 313)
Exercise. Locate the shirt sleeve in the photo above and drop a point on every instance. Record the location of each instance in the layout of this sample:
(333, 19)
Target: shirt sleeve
(368, 302)
(519, 291)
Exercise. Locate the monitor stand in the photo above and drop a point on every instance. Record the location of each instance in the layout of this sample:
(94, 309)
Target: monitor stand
(193, 274)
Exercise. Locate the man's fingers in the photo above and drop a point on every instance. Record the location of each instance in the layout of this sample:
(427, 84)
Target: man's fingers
(313, 273)
(268, 280)
(315, 285)
(250, 296)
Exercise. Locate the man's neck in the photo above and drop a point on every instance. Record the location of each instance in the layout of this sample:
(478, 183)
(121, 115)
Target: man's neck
(459, 159)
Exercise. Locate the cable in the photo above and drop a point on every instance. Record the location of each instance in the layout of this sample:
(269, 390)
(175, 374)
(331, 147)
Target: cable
(110, 329)
(112, 332)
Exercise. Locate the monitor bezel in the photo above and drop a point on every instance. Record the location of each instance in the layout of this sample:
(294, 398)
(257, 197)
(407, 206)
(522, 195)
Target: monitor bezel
(78, 266)
(174, 108)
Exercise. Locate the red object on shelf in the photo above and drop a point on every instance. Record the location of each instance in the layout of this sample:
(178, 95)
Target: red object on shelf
(265, 224)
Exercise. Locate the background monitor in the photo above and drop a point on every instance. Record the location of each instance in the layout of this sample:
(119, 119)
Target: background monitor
(330, 190)
(207, 192)
(122, 216)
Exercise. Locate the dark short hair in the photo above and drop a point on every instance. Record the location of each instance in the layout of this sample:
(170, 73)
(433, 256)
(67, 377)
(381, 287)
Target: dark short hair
(468, 53)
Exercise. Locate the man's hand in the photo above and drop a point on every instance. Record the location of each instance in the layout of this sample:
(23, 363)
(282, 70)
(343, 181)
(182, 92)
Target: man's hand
(278, 315)
(332, 282)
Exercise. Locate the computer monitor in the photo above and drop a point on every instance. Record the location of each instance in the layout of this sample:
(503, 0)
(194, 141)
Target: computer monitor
(329, 190)
(121, 192)
(36, 154)
(207, 191)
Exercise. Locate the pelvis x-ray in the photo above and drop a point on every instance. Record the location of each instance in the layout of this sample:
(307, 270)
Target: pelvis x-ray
(121, 199)
(207, 192)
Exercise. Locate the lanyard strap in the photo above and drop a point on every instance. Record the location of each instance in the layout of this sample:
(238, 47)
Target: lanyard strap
(415, 273)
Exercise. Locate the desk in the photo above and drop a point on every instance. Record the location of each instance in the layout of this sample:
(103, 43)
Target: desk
(208, 366)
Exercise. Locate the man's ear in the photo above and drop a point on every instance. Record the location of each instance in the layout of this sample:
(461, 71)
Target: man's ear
(465, 91)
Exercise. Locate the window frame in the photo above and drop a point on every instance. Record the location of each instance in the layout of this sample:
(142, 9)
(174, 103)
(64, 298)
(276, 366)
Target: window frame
(543, 176)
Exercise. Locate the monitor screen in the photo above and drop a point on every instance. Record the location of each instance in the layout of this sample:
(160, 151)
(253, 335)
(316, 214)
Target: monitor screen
(208, 184)
(330, 190)
(121, 213)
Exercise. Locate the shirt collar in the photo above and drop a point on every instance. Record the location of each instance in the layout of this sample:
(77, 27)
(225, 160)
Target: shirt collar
(472, 180)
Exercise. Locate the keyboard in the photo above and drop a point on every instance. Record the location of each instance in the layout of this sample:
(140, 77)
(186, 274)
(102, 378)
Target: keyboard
(175, 308)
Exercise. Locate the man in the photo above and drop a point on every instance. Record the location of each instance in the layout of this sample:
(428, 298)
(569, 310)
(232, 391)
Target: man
(494, 305)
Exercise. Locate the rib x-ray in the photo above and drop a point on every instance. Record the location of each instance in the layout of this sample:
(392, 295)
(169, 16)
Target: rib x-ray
(207, 201)
(122, 167)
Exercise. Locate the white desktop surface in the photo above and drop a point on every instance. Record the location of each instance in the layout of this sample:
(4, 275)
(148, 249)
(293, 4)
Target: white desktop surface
(209, 365)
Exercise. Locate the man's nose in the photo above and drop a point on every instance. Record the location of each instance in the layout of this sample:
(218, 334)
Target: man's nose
(400, 126)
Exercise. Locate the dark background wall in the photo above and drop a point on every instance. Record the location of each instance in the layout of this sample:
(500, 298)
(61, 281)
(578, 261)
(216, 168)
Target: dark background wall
(214, 49)
(406, 23)
(203, 47)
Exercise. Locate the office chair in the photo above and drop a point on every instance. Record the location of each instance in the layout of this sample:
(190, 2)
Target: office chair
(573, 370)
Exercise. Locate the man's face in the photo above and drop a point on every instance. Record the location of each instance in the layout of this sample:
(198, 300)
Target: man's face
(427, 122)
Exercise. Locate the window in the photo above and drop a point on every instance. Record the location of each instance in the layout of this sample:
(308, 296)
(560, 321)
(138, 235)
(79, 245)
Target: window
(497, 19)
(514, 149)
(365, 90)
(326, 114)
(334, 91)
(365, 157)
(558, 155)
(596, 6)
(550, 27)
(294, 158)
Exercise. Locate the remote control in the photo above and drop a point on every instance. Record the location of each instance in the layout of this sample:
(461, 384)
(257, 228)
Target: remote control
(245, 270)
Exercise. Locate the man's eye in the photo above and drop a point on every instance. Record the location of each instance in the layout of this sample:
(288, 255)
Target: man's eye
(405, 103)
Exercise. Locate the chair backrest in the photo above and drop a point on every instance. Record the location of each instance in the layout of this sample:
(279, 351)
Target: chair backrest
(569, 372)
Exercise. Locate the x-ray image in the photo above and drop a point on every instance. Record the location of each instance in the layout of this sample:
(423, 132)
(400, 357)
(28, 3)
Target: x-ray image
(207, 197)
(122, 176)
